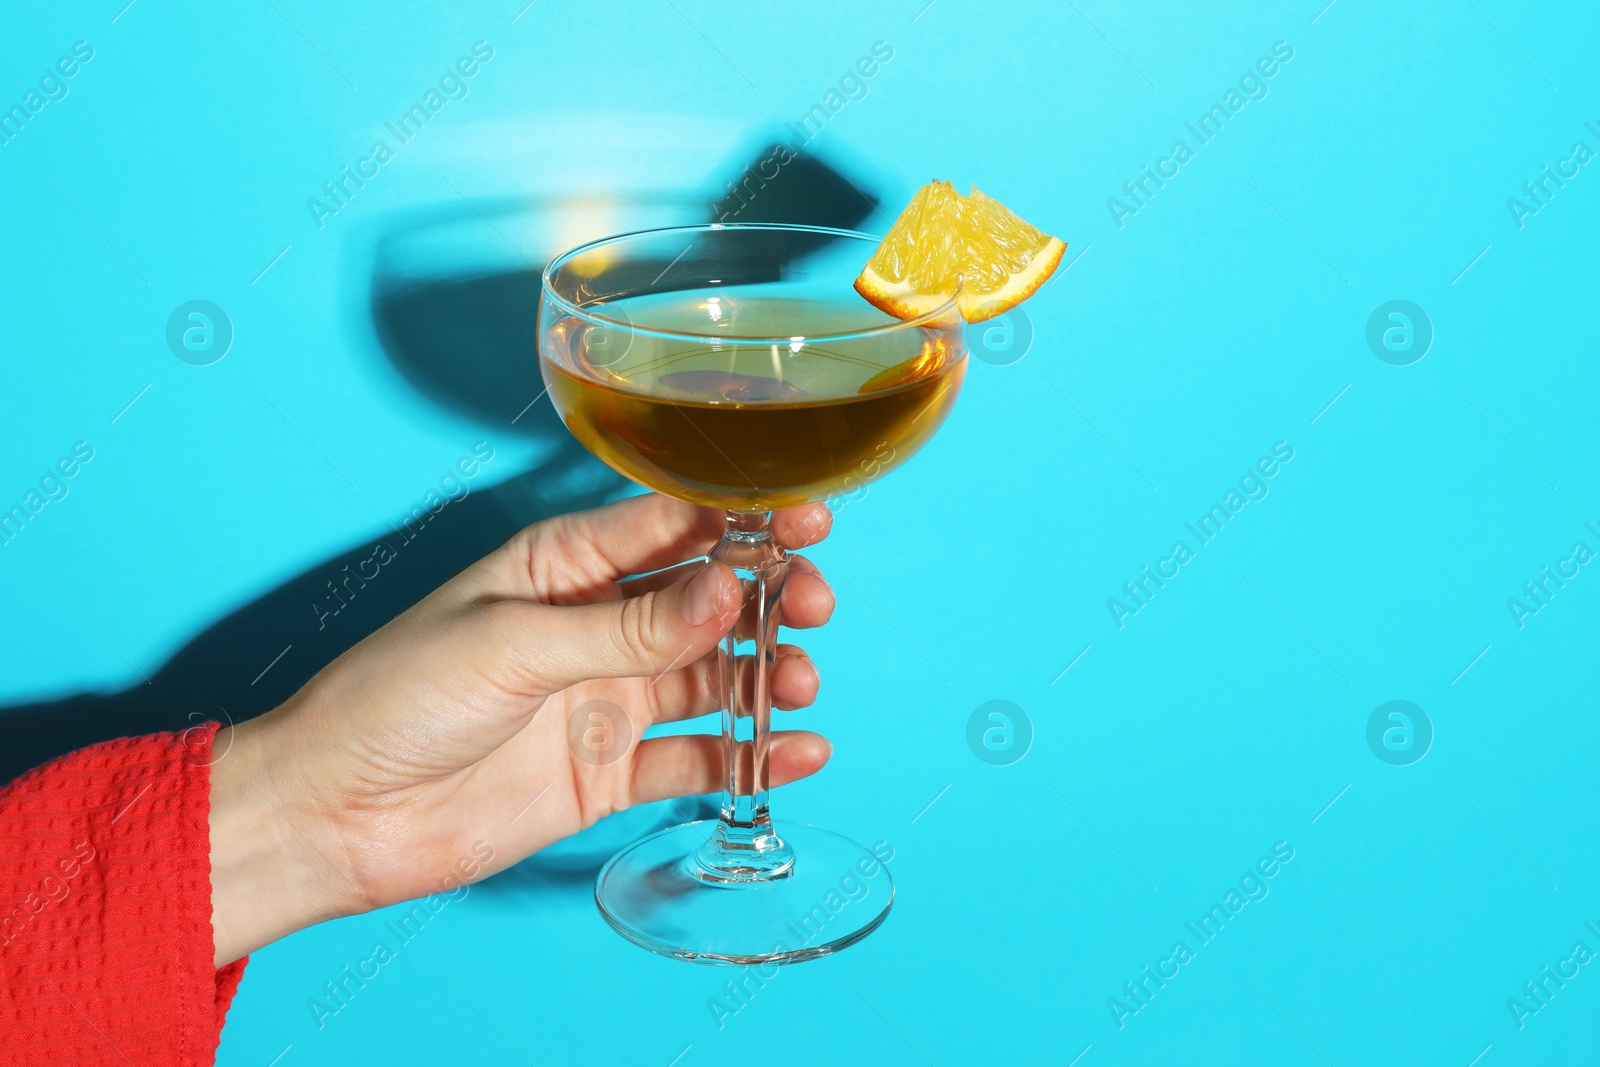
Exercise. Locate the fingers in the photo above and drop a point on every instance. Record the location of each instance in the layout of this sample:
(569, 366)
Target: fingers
(575, 558)
(692, 690)
(807, 598)
(796, 680)
(571, 558)
(805, 525)
(689, 764)
(544, 649)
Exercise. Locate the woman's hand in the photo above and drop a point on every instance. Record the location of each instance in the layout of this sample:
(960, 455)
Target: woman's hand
(448, 730)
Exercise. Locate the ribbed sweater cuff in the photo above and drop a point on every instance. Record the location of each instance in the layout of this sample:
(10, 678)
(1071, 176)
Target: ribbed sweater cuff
(106, 952)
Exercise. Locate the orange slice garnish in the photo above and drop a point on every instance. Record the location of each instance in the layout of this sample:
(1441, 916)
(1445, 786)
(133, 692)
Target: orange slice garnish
(943, 243)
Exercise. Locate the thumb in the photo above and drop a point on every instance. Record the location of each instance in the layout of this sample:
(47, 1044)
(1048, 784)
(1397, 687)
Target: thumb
(637, 636)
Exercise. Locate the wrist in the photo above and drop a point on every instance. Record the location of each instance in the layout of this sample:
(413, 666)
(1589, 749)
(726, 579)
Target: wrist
(269, 875)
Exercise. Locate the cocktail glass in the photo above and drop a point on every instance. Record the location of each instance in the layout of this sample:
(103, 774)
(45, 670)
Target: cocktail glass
(732, 366)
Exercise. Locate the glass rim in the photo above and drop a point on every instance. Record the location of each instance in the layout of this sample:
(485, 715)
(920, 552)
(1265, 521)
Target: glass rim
(937, 314)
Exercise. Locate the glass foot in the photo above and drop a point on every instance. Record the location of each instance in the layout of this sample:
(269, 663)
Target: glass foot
(655, 894)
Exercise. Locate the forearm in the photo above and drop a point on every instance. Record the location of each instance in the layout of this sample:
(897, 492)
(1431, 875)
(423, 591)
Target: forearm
(270, 876)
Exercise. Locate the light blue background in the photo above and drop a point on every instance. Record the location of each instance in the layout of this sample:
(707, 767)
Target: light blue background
(1221, 318)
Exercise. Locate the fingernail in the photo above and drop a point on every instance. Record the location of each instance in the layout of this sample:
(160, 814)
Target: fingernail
(702, 600)
(803, 565)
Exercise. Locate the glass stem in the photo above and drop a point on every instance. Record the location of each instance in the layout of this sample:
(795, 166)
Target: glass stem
(744, 846)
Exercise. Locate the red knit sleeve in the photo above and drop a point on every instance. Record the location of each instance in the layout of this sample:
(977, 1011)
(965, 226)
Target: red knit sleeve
(106, 954)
